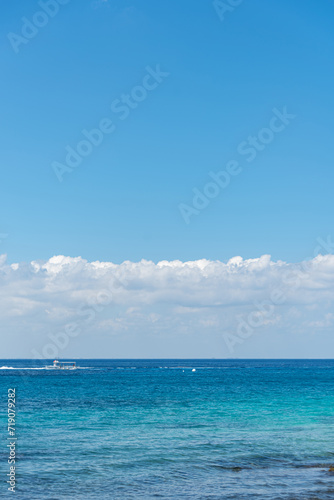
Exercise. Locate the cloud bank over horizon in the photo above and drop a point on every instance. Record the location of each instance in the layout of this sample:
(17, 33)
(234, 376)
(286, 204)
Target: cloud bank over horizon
(70, 307)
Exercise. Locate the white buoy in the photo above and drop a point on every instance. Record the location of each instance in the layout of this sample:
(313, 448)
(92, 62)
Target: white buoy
(193, 370)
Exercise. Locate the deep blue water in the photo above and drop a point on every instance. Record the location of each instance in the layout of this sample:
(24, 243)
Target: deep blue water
(232, 429)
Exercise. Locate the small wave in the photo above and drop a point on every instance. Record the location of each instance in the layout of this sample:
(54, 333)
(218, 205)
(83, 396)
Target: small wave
(41, 368)
(19, 368)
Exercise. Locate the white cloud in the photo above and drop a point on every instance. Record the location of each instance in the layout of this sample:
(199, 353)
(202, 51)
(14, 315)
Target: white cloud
(169, 300)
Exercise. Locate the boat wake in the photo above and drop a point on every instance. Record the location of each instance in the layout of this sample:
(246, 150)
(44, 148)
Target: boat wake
(19, 368)
(39, 368)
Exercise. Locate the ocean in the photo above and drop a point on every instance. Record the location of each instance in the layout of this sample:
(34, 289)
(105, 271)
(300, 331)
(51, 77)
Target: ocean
(142, 429)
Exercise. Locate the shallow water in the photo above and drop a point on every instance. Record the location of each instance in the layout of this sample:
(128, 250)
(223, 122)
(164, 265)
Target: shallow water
(233, 429)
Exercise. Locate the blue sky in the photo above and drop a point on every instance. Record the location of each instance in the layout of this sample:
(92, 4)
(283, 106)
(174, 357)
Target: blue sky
(225, 77)
(154, 156)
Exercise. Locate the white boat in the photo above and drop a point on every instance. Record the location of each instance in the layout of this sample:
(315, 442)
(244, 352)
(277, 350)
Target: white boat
(63, 365)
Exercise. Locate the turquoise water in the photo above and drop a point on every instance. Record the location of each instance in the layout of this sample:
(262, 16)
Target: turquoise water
(155, 429)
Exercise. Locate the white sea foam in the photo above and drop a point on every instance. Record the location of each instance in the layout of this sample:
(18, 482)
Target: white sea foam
(19, 368)
(41, 368)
